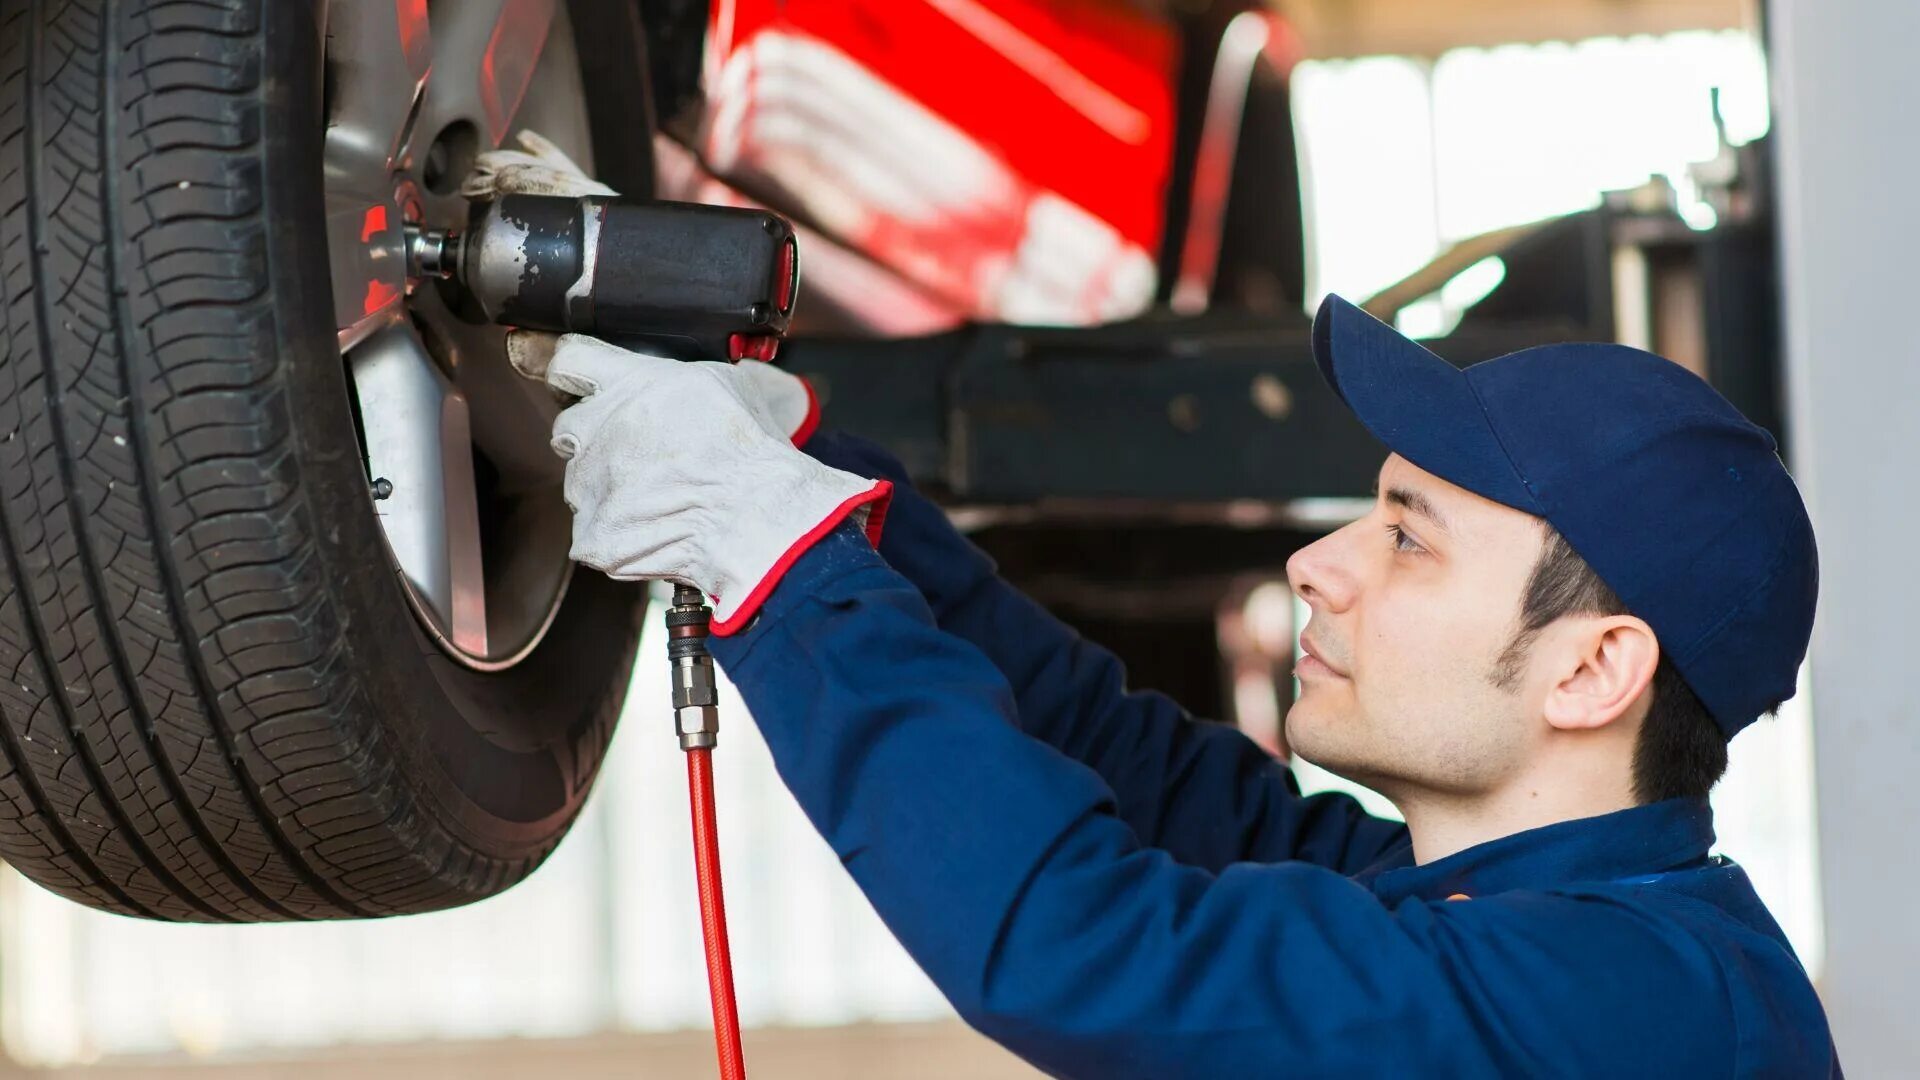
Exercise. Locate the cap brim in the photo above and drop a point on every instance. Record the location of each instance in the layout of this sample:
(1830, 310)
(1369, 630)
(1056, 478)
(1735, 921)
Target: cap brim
(1420, 406)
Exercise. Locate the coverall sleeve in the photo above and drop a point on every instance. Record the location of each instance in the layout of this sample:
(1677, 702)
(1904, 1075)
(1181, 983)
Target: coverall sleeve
(1002, 867)
(1204, 792)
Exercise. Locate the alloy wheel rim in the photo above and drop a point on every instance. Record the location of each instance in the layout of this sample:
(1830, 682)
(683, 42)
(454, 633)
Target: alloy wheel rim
(459, 473)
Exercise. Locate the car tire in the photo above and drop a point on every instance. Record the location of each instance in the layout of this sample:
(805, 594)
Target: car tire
(217, 704)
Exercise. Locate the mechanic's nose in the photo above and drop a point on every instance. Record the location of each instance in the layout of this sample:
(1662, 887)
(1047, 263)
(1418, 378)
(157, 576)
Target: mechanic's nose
(1319, 577)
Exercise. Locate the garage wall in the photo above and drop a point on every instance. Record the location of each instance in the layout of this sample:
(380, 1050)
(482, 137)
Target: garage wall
(1848, 164)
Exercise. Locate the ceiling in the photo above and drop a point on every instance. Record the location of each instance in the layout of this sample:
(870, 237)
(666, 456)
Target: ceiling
(1333, 28)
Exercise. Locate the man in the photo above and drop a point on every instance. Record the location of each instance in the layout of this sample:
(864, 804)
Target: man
(1583, 572)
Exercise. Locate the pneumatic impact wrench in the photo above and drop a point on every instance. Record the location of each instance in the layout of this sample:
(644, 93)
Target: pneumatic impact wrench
(674, 279)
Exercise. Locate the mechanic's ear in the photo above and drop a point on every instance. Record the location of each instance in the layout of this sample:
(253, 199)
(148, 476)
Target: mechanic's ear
(1610, 664)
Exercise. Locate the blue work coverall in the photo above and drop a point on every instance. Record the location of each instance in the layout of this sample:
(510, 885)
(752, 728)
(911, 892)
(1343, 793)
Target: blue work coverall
(1112, 889)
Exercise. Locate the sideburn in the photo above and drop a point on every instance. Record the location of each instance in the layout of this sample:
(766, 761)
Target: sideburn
(1561, 584)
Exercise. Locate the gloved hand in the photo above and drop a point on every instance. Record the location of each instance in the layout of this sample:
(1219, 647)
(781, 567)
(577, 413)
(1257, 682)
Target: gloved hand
(539, 168)
(784, 400)
(686, 472)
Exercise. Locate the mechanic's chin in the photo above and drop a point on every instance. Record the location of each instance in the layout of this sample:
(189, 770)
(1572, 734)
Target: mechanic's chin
(1322, 711)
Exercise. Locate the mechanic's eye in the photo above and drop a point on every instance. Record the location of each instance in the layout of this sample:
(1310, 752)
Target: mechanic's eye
(1402, 540)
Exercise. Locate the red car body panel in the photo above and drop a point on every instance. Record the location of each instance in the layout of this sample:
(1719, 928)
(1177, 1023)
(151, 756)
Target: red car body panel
(1005, 159)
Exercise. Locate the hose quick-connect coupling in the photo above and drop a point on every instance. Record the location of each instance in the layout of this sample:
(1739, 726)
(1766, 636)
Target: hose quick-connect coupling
(696, 699)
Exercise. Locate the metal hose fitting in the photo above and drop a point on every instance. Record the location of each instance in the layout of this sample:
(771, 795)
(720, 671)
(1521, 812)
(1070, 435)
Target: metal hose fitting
(696, 697)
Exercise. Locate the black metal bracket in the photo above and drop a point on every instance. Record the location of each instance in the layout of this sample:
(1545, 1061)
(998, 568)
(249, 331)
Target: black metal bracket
(1205, 410)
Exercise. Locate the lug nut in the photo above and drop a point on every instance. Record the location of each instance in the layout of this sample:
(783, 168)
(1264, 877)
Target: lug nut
(431, 252)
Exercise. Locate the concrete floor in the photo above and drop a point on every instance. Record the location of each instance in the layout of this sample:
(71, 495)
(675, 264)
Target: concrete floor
(946, 1051)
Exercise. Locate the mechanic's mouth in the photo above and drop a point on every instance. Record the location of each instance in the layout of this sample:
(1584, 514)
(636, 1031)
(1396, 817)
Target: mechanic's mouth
(1311, 662)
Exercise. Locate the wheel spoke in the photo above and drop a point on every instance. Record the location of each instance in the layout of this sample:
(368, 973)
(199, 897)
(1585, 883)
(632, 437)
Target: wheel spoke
(512, 415)
(467, 584)
(419, 441)
(513, 51)
(485, 55)
(380, 52)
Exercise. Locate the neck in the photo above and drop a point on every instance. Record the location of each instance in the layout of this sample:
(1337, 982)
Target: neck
(1443, 823)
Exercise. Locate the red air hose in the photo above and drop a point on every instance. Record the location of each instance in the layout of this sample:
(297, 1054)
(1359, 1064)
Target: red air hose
(696, 720)
(713, 915)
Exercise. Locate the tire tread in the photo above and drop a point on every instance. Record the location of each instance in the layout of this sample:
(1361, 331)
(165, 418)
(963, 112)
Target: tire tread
(182, 732)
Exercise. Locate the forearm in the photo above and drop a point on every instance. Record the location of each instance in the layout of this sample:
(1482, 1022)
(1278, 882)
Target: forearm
(1203, 791)
(895, 738)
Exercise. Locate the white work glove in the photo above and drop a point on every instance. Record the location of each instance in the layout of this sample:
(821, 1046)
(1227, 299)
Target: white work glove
(538, 168)
(686, 472)
(782, 399)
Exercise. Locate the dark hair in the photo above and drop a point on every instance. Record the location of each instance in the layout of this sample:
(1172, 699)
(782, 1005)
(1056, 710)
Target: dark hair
(1681, 752)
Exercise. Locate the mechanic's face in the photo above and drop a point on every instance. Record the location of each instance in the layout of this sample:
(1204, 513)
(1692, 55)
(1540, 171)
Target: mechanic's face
(1412, 606)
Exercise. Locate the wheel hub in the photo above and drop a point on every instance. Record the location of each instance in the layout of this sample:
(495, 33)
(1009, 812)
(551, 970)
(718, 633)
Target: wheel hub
(468, 493)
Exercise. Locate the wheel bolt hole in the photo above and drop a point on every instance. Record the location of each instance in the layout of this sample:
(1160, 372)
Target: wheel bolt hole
(451, 157)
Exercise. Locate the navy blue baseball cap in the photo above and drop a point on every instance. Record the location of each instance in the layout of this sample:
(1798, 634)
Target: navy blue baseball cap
(1676, 500)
